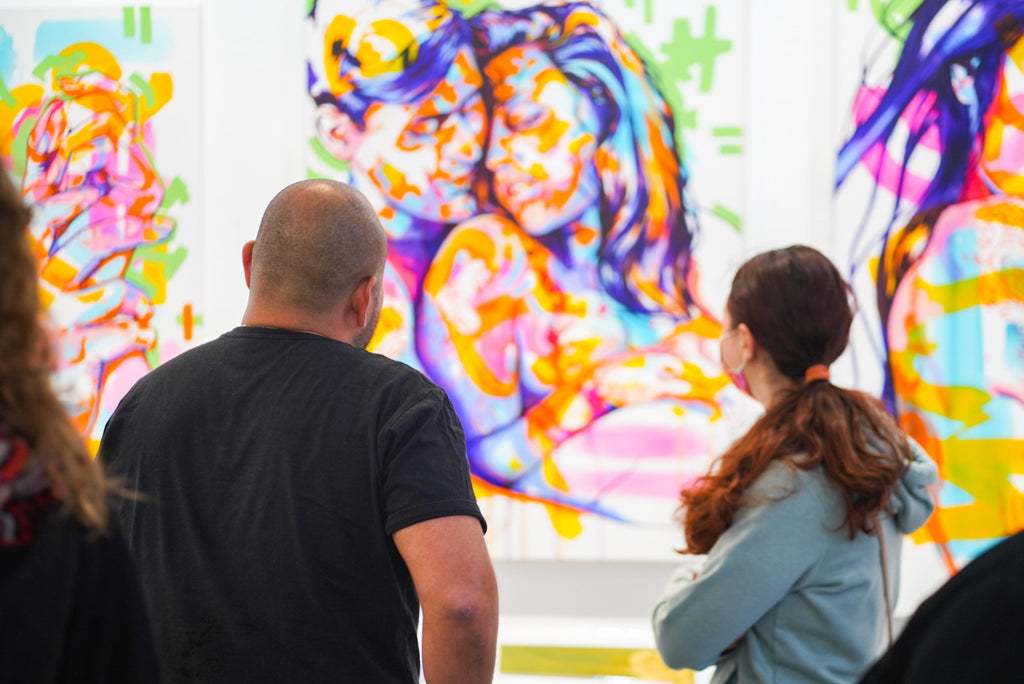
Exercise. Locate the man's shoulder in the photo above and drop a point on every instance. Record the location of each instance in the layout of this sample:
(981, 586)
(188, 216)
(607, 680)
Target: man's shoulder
(186, 360)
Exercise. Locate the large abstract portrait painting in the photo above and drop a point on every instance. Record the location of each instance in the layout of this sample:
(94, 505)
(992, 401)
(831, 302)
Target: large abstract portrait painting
(930, 202)
(99, 125)
(559, 185)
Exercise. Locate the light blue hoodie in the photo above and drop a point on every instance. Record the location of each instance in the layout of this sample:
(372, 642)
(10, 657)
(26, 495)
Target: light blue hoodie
(804, 601)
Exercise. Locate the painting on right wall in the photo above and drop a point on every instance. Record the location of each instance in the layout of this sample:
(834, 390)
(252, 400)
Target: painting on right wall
(930, 221)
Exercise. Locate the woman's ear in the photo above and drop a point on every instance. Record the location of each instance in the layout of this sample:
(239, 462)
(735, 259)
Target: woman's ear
(748, 345)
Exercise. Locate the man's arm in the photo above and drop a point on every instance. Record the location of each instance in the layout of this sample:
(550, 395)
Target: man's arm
(454, 579)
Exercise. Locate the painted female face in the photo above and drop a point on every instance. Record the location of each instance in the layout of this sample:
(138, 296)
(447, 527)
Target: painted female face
(422, 153)
(543, 140)
(427, 170)
(1003, 156)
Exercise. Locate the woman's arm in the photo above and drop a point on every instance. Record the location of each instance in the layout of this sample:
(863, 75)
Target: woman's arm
(752, 566)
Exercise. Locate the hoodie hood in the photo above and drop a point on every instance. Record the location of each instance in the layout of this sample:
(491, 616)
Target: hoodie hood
(911, 502)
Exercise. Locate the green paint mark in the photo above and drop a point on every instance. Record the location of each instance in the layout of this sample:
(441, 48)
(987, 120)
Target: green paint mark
(630, 4)
(5, 95)
(129, 21)
(686, 118)
(140, 281)
(61, 65)
(174, 193)
(309, 6)
(326, 157)
(196, 320)
(730, 217)
(144, 89)
(894, 16)
(851, 5)
(686, 50)
(19, 149)
(171, 262)
(728, 132)
(648, 11)
(470, 8)
(153, 357)
(146, 32)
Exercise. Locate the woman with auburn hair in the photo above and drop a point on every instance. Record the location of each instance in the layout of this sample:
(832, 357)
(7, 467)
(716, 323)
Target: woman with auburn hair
(70, 602)
(802, 519)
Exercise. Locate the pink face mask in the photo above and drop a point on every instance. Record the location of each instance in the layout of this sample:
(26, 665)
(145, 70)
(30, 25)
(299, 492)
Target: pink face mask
(736, 375)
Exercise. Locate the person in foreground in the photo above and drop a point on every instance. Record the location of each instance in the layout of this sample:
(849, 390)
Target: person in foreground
(305, 497)
(970, 630)
(71, 609)
(802, 518)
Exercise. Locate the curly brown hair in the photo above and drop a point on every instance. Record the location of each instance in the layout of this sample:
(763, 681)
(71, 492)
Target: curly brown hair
(798, 309)
(28, 405)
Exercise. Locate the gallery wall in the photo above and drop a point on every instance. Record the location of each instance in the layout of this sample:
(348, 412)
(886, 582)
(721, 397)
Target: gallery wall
(253, 106)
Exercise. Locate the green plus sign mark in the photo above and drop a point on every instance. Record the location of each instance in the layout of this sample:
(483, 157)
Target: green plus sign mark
(469, 8)
(687, 50)
(894, 16)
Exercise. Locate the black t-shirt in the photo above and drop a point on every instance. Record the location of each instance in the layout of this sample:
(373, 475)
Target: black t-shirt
(274, 466)
(71, 611)
(970, 630)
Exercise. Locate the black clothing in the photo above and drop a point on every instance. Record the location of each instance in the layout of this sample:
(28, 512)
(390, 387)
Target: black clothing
(970, 630)
(71, 610)
(276, 465)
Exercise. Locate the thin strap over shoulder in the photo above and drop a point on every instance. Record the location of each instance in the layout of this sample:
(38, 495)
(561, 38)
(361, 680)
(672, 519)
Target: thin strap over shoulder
(885, 573)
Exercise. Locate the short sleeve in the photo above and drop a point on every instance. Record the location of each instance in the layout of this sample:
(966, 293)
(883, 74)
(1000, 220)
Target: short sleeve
(425, 471)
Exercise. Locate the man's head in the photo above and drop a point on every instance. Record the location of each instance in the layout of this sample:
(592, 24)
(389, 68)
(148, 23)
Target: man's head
(317, 262)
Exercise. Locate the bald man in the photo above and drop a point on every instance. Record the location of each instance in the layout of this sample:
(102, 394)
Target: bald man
(301, 498)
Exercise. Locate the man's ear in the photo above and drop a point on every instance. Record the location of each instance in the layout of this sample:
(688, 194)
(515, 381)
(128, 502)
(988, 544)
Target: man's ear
(247, 260)
(362, 301)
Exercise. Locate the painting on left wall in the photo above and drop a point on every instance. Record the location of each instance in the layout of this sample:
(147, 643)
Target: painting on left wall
(99, 126)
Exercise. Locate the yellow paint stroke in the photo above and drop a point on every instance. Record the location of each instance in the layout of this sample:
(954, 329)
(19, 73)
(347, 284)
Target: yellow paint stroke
(984, 290)
(998, 506)
(574, 661)
(1005, 213)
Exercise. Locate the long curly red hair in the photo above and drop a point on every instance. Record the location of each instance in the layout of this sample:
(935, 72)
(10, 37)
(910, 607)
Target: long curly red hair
(799, 310)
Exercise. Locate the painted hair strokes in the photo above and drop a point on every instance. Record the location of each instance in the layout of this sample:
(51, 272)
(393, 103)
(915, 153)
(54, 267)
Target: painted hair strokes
(549, 250)
(931, 172)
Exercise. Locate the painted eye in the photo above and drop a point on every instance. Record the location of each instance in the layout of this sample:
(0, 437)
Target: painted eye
(427, 125)
(526, 117)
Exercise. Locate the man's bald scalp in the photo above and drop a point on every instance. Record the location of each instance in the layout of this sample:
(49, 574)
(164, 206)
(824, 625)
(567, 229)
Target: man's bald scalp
(318, 239)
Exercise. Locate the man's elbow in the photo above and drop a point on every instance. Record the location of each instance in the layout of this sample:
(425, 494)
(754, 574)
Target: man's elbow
(470, 611)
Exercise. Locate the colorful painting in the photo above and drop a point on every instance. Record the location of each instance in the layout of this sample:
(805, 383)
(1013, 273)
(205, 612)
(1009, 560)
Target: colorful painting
(558, 184)
(930, 200)
(99, 124)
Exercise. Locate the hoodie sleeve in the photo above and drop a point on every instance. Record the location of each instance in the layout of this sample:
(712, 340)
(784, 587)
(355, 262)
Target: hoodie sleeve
(912, 502)
(751, 567)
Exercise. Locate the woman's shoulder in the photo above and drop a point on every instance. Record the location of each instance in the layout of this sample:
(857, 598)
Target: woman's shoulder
(799, 489)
